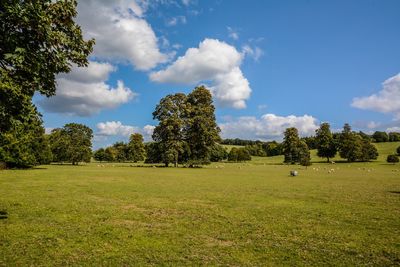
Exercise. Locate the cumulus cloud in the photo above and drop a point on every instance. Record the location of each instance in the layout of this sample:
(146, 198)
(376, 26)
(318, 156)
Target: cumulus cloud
(386, 101)
(268, 127)
(213, 61)
(116, 128)
(121, 32)
(84, 91)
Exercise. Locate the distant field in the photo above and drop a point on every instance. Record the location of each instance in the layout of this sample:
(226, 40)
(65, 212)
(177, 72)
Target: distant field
(224, 214)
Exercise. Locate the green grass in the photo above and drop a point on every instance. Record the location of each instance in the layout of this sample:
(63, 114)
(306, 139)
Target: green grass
(225, 214)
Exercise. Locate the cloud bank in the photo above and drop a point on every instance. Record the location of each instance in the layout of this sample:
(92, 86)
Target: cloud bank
(268, 127)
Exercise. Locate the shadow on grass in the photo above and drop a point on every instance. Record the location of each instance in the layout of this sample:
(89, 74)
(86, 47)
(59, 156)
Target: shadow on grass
(394, 192)
(3, 214)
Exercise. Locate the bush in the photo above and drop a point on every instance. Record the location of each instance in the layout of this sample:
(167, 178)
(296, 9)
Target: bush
(392, 159)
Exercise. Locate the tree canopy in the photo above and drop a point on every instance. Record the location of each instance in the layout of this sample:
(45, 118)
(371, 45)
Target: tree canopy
(38, 40)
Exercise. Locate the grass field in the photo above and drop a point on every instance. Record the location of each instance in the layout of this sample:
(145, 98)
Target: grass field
(223, 214)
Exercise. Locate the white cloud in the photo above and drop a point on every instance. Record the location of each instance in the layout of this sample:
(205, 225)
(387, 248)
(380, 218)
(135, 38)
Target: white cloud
(186, 2)
(254, 53)
(121, 32)
(268, 127)
(386, 101)
(176, 20)
(233, 33)
(393, 129)
(213, 61)
(373, 125)
(116, 128)
(84, 91)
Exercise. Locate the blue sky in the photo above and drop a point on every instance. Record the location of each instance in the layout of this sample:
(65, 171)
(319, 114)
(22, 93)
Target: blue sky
(269, 64)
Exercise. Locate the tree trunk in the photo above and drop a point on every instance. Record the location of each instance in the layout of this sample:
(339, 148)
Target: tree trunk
(327, 160)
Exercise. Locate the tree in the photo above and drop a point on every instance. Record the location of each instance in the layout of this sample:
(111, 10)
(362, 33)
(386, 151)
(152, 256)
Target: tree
(380, 137)
(218, 153)
(171, 113)
(72, 143)
(304, 154)
(243, 154)
(99, 155)
(122, 151)
(398, 151)
(153, 153)
(354, 147)
(290, 145)
(394, 137)
(136, 149)
(25, 144)
(326, 147)
(369, 151)
(38, 40)
(202, 131)
(392, 159)
(110, 154)
(239, 154)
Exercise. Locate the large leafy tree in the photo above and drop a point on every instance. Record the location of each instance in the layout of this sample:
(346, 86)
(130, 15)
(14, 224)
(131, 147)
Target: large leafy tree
(136, 149)
(171, 113)
(355, 147)
(202, 131)
(38, 40)
(72, 143)
(326, 147)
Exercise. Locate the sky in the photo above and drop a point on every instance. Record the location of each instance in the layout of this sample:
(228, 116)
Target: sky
(269, 64)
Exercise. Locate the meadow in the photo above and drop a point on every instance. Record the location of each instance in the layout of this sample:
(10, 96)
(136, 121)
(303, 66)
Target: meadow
(242, 214)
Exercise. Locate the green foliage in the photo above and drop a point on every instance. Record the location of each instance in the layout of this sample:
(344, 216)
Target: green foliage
(72, 143)
(239, 154)
(392, 158)
(311, 141)
(325, 143)
(38, 40)
(394, 137)
(136, 149)
(111, 154)
(380, 137)
(256, 150)
(187, 128)
(202, 131)
(22, 140)
(121, 151)
(290, 146)
(272, 148)
(153, 153)
(353, 147)
(100, 155)
(171, 113)
(218, 153)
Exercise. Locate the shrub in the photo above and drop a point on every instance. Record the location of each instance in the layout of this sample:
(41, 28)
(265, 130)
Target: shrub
(392, 159)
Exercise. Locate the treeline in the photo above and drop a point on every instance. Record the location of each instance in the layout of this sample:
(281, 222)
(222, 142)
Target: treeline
(133, 151)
